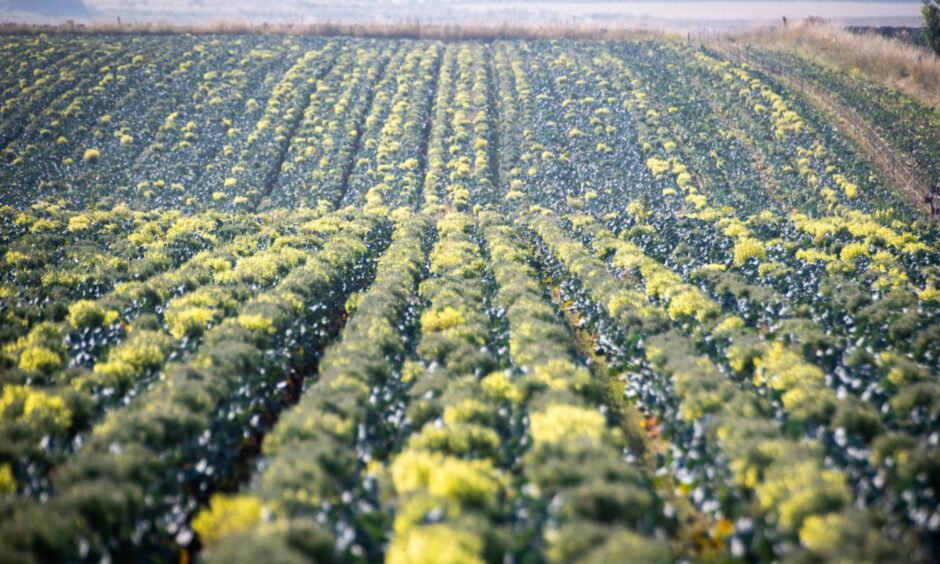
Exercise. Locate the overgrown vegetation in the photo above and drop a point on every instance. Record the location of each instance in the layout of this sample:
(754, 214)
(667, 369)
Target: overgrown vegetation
(931, 11)
(890, 62)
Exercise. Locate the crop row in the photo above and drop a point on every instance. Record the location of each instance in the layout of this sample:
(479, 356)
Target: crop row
(322, 153)
(390, 165)
(460, 164)
(896, 116)
(84, 363)
(786, 483)
(143, 468)
(312, 495)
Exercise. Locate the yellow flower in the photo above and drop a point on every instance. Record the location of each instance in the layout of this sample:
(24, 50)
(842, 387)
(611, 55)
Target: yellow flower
(7, 482)
(747, 248)
(852, 251)
(500, 387)
(559, 422)
(692, 302)
(86, 313)
(441, 320)
(255, 322)
(468, 482)
(812, 256)
(40, 359)
(226, 515)
(657, 166)
(35, 408)
(436, 544)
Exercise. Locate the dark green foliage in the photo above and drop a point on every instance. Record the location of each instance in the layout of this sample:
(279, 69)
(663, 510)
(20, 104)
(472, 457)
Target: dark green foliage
(931, 11)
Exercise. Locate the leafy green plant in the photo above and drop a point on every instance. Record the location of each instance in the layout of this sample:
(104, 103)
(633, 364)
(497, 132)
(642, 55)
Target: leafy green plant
(931, 12)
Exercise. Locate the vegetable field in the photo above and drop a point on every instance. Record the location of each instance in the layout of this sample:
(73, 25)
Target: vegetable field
(289, 298)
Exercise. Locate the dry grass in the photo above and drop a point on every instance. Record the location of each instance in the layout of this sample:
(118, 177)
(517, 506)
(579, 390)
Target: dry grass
(897, 65)
(402, 30)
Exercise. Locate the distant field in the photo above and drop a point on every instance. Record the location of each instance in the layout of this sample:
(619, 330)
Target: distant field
(706, 13)
(280, 298)
(683, 14)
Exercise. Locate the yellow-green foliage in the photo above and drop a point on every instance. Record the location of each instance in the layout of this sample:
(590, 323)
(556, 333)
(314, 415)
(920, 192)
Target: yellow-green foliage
(441, 320)
(189, 322)
(353, 302)
(500, 387)
(773, 269)
(203, 225)
(7, 481)
(16, 258)
(562, 422)
(144, 350)
(821, 532)
(86, 313)
(692, 303)
(256, 322)
(468, 411)
(40, 359)
(638, 211)
(728, 324)
(413, 511)
(684, 300)
(460, 438)
(803, 385)
(41, 350)
(794, 492)
(226, 515)
(189, 315)
(468, 482)
(657, 166)
(561, 374)
(514, 267)
(741, 357)
(684, 179)
(813, 256)
(436, 544)
(852, 251)
(264, 267)
(699, 201)
(849, 188)
(747, 248)
(455, 254)
(783, 369)
(734, 228)
(35, 408)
